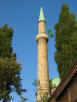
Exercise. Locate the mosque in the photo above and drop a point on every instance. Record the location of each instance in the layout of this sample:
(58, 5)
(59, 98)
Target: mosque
(64, 91)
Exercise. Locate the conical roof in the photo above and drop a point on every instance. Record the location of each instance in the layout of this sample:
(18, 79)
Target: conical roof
(41, 17)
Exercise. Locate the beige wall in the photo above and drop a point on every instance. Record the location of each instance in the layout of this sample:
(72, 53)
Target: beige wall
(42, 27)
(43, 74)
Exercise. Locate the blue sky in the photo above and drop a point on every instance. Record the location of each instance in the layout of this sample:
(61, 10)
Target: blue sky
(22, 16)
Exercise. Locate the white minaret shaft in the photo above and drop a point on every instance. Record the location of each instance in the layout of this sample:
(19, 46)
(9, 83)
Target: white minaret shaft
(43, 72)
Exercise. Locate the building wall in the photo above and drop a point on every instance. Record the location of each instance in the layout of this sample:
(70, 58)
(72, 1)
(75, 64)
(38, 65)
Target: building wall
(64, 96)
(74, 89)
(70, 92)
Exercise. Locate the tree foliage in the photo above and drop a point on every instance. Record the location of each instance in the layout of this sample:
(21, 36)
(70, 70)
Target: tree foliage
(23, 99)
(66, 40)
(50, 33)
(10, 69)
(45, 97)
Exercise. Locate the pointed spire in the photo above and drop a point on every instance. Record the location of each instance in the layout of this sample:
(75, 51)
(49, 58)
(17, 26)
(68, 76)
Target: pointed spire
(41, 17)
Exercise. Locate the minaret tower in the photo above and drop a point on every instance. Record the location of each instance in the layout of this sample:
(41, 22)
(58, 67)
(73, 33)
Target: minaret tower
(43, 72)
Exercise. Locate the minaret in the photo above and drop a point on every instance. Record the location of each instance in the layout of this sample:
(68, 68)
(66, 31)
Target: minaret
(43, 72)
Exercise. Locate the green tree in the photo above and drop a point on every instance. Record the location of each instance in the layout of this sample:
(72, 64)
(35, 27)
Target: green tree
(23, 99)
(36, 85)
(50, 33)
(45, 97)
(10, 80)
(66, 40)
